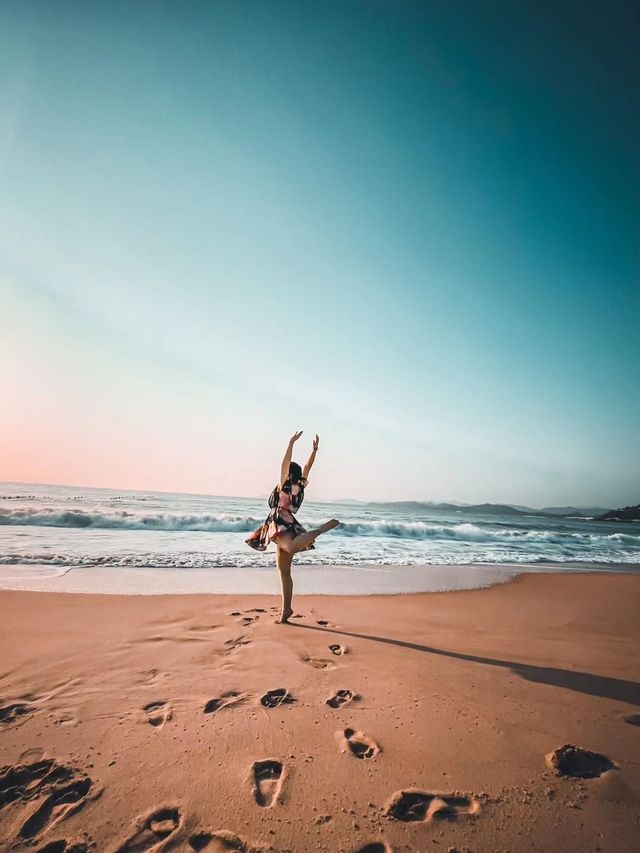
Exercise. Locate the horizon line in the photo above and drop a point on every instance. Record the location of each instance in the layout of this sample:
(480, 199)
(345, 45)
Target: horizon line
(425, 502)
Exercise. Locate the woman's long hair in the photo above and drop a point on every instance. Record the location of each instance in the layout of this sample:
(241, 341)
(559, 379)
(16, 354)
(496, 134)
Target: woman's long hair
(295, 473)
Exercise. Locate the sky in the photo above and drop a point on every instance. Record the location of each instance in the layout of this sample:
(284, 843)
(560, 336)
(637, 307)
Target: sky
(411, 227)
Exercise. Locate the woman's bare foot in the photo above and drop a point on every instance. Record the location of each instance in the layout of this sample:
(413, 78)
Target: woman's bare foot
(284, 616)
(329, 525)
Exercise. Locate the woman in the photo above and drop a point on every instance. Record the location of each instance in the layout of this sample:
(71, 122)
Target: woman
(282, 527)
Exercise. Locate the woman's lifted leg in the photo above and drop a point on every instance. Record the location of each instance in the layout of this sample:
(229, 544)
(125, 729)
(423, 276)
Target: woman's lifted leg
(302, 542)
(295, 544)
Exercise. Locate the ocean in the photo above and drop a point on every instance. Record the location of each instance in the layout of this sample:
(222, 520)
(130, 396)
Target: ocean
(85, 539)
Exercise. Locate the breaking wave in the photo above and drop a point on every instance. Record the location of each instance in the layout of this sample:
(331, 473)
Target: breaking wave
(228, 523)
(123, 520)
(467, 532)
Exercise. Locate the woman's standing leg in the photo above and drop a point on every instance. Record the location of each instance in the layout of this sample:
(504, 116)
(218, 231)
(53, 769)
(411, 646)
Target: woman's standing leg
(283, 561)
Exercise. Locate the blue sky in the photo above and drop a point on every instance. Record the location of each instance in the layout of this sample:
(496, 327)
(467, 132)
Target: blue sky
(411, 227)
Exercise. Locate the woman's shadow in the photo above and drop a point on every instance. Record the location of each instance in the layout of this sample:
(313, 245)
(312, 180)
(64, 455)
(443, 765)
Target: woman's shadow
(581, 682)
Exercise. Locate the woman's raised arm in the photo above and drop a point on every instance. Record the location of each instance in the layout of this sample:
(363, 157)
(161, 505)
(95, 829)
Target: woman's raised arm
(312, 457)
(286, 461)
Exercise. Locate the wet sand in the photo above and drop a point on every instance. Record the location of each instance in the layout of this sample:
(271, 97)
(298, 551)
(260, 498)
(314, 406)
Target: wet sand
(420, 722)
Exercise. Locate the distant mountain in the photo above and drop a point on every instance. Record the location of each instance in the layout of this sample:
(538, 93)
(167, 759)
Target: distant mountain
(480, 509)
(558, 511)
(627, 513)
(583, 511)
(500, 509)
(494, 509)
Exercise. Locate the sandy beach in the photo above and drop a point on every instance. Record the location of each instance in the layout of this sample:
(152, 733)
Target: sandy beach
(333, 307)
(408, 722)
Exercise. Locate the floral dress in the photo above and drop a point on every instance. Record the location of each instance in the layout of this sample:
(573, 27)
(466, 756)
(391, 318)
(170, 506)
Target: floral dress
(284, 503)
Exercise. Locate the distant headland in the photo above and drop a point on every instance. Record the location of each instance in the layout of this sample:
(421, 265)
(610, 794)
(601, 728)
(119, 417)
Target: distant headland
(627, 513)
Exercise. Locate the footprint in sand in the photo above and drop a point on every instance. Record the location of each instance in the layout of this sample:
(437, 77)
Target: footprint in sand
(153, 829)
(201, 840)
(65, 718)
(220, 842)
(267, 778)
(247, 619)
(52, 790)
(421, 806)
(231, 697)
(151, 677)
(26, 781)
(570, 760)
(157, 713)
(171, 638)
(273, 698)
(340, 698)
(236, 642)
(337, 649)
(64, 846)
(202, 628)
(318, 663)
(359, 744)
(32, 755)
(62, 801)
(10, 713)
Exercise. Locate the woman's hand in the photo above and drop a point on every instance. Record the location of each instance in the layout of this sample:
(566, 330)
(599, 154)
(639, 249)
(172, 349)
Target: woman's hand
(295, 437)
(316, 442)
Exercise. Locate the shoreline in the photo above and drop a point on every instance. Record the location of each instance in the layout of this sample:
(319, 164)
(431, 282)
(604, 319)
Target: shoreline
(309, 579)
(166, 713)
